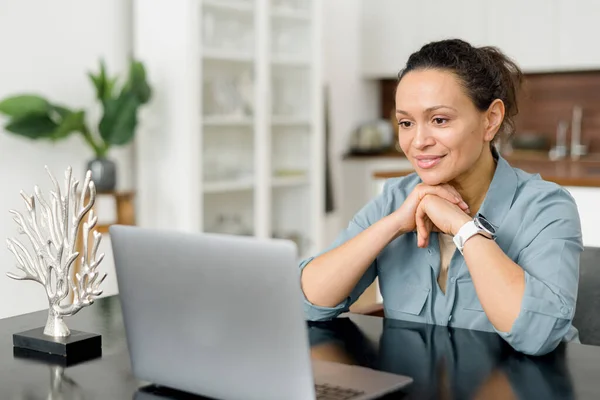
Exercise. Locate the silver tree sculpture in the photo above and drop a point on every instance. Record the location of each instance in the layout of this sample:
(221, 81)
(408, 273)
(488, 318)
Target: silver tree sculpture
(53, 235)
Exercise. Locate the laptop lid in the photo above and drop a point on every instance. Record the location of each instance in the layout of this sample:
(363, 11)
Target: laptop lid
(211, 314)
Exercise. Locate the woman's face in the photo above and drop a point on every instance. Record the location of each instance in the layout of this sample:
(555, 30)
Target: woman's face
(440, 130)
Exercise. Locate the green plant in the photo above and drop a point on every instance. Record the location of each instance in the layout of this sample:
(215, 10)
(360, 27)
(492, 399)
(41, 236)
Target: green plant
(35, 117)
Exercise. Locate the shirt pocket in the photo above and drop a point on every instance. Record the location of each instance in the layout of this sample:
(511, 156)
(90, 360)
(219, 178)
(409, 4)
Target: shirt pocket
(407, 300)
(469, 313)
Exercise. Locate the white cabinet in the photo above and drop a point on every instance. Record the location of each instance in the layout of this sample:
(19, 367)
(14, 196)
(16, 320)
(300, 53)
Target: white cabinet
(587, 199)
(462, 19)
(233, 139)
(540, 35)
(359, 185)
(579, 33)
(392, 30)
(387, 36)
(526, 31)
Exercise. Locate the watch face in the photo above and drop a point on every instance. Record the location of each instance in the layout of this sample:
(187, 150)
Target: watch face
(485, 224)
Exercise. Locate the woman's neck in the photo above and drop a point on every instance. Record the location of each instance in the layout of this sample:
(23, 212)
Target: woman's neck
(474, 183)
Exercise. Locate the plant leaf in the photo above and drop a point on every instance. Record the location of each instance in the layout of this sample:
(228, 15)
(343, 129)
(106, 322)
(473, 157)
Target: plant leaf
(59, 113)
(16, 106)
(104, 85)
(33, 126)
(118, 123)
(137, 82)
(72, 122)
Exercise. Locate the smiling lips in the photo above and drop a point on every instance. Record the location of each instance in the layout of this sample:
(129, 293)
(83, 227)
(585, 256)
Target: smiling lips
(427, 162)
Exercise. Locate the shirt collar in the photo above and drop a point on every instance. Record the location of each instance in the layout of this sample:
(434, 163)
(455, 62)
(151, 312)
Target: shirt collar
(500, 194)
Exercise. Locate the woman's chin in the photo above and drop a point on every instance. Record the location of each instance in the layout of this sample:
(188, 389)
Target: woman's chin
(433, 178)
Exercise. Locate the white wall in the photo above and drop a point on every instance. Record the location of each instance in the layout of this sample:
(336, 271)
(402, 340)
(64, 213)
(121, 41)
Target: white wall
(352, 100)
(47, 47)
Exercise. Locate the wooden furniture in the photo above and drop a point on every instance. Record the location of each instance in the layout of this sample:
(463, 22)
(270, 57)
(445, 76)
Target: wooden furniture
(233, 141)
(124, 206)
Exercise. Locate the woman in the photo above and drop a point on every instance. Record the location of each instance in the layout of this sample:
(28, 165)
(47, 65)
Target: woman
(518, 237)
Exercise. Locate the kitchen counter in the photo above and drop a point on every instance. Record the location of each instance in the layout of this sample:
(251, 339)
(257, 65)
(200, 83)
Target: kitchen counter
(582, 173)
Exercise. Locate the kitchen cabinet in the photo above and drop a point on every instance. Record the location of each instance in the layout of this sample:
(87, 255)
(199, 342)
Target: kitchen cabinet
(540, 35)
(392, 30)
(579, 30)
(387, 36)
(587, 203)
(358, 185)
(526, 31)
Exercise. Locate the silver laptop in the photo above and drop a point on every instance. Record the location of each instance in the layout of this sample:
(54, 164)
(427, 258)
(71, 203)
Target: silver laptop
(221, 316)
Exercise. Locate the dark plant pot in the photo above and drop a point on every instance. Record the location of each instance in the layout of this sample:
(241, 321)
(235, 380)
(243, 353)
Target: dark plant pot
(104, 174)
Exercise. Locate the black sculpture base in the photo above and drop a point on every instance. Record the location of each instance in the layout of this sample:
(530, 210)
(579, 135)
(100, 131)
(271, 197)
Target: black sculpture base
(75, 348)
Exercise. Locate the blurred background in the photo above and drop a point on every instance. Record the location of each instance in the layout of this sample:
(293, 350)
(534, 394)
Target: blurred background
(270, 118)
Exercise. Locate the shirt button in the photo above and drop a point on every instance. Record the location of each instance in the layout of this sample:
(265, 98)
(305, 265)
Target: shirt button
(452, 280)
(564, 310)
(429, 251)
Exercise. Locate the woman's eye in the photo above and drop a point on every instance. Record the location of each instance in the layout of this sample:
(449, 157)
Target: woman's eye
(405, 124)
(440, 121)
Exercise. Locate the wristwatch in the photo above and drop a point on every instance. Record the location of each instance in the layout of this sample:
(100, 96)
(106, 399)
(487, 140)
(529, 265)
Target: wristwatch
(478, 226)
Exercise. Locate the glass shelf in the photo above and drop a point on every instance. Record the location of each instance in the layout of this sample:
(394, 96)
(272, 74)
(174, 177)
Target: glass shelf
(290, 14)
(226, 120)
(290, 181)
(227, 55)
(241, 6)
(234, 185)
(289, 121)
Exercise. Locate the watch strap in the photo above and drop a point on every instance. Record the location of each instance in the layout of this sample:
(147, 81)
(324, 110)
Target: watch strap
(466, 232)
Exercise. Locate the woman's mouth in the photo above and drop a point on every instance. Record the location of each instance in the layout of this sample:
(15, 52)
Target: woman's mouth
(427, 162)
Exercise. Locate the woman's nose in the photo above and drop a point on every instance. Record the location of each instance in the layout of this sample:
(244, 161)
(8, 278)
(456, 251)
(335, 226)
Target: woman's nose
(422, 138)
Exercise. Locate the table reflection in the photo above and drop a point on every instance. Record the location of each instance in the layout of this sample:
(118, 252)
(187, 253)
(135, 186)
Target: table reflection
(62, 387)
(445, 363)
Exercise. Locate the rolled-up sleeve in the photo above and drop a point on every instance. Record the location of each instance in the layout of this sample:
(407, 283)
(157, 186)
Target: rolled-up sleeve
(369, 214)
(551, 265)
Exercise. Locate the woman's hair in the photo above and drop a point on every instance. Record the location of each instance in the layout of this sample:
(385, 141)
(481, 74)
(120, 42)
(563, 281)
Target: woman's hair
(485, 72)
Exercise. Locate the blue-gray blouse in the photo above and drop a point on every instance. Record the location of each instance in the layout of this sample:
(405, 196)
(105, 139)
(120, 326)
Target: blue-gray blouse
(538, 227)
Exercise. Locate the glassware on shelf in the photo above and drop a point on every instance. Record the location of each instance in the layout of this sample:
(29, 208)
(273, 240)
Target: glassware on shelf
(301, 241)
(208, 29)
(226, 94)
(290, 41)
(226, 164)
(290, 95)
(231, 224)
(291, 4)
(227, 31)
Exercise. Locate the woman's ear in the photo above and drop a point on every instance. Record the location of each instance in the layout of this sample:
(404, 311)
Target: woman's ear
(493, 119)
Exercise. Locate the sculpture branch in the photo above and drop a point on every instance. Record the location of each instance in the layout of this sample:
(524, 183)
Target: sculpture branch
(47, 219)
(26, 264)
(86, 286)
(53, 235)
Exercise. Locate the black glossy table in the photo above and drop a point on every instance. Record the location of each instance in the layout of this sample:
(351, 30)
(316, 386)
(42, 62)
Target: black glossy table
(445, 363)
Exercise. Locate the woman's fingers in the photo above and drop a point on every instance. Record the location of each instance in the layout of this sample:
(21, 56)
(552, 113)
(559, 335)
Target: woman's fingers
(461, 203)
(446, 192)
(422, 231)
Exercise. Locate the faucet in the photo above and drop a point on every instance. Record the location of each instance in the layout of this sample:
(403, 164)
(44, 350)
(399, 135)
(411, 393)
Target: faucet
(559, 151)
(577, 148)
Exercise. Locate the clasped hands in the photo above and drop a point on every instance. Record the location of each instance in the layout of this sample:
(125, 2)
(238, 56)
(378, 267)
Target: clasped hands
(432, 208)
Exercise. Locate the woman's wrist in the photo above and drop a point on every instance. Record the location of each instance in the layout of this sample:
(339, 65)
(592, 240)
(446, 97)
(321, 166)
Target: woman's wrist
(395, 225)
(460, 222)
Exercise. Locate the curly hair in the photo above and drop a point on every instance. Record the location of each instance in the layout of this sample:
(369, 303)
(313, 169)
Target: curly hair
(485, 72)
